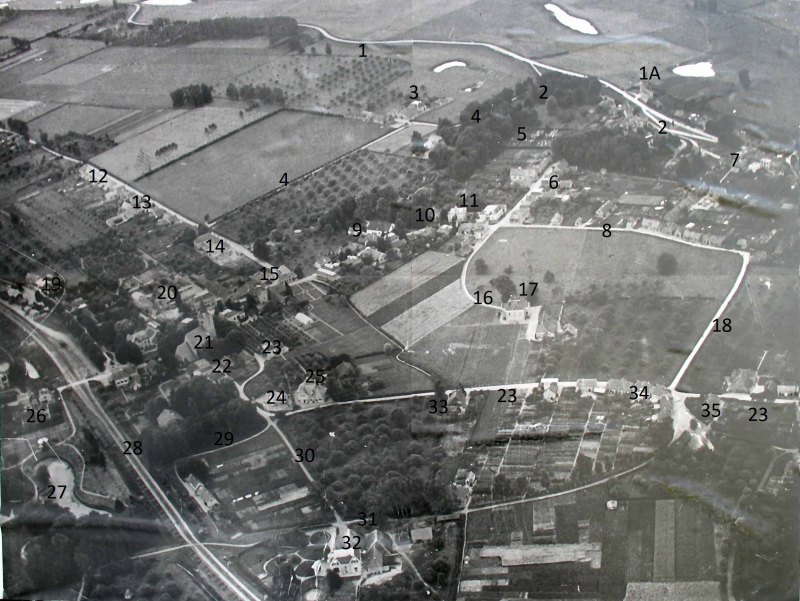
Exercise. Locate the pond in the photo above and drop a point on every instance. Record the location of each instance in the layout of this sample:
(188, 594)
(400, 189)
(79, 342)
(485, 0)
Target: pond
(61, 474)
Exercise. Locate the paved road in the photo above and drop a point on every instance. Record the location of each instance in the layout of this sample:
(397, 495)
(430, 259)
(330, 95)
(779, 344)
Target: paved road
(67, 363)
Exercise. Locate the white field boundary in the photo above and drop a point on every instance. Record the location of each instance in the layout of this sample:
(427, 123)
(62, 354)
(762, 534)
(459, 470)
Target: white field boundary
(720, 311)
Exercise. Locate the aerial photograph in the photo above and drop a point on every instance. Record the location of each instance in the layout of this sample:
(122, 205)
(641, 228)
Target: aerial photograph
(413, 300)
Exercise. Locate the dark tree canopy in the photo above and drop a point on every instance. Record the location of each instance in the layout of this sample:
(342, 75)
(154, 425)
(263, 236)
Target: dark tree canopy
(667, 264)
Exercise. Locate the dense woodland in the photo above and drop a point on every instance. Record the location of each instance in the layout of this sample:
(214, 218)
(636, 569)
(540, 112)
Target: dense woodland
(375, 462)
(193, 96)
(163, 32)
(207, 407)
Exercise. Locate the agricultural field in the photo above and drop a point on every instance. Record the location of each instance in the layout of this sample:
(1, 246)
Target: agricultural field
(260, 483)
(253, 161)
(473, 348)
(402, 281)
(581, 259)
(189, 131)
(32, 24)
(141, 121)
(16, 77)
(765, 313)
(77, 118)
(362, 18)
(445, 286)
(429, 314)
(338, 84)
(55, 219)
(601, 286)
(134, 78)
(11, 108)
(485, 74)
(305, 203)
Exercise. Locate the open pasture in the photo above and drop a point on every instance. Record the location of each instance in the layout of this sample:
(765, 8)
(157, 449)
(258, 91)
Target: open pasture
(136, 156)
(16, 76)
(472, 349)
(580, 259)
(31, 24)
(225, 175)
(361, 18)
(485, 74)
(10, 108)
(604, 287)
(144, 77)
(764, 313)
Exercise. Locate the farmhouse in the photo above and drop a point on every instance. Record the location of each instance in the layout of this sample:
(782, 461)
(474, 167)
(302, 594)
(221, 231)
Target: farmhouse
(606, 209)
(457, 213)
(45, 397)
(347, 562)
(167, 418)
(494, 212)
(377, 546)
(516, 311)
(200, 493)
(303, 319)
(127, 376)
(551, 393)
(310, 392)
(742, 380)
(587, 386)
(379, 227)
(145, 340)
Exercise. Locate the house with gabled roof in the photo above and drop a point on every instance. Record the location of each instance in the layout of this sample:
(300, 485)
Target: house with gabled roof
(587, 386)
(618, 386)
(742, 380)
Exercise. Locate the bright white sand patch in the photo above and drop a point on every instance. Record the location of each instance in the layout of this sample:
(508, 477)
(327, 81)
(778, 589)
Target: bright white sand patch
(696, 70)
(167, 2)
(444, 66)
(579, 25)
